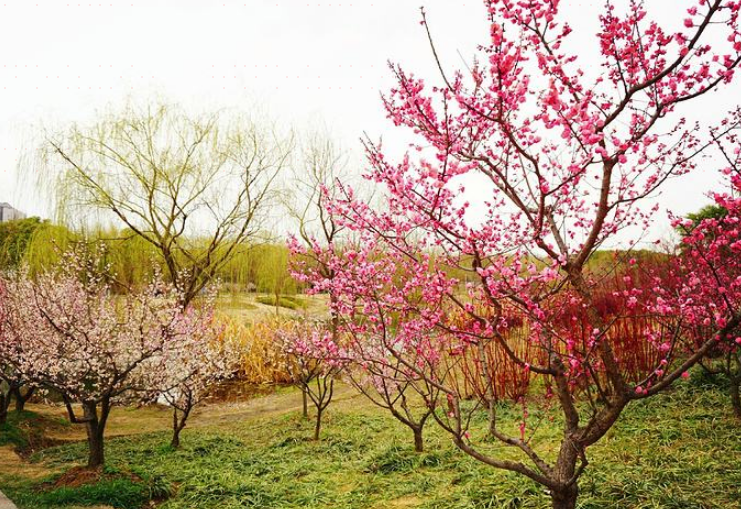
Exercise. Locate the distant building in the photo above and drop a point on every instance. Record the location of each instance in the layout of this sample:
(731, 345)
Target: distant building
(8, 213)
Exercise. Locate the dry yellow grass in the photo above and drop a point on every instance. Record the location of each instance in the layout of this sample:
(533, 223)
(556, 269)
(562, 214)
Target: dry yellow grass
(261, 359)
(252, 326)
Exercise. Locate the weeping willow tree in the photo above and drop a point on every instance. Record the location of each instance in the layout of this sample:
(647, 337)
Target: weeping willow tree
(15, 236)
(47, 244)
(194, 188)
(239, 272)
(131, 258)
(273, 274)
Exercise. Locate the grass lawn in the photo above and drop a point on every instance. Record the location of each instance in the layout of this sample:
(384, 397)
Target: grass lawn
(680, 450)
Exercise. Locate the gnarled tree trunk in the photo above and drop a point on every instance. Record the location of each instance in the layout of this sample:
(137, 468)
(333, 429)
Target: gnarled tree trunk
(20, 398)
(566, 498)
(419, 443)
(179, 420)
(96, 452)
(94, 424)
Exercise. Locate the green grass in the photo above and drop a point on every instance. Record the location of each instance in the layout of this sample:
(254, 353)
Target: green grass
(118, 492)
(681, 450)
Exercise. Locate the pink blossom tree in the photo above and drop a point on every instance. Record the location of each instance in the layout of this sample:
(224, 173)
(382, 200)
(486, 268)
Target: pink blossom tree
(313, 360)
(183, 373)
(66, 330)
(386, 381)
(320, 163)
(566, 155)
(7, 373)
(12, 384)
(709, 264)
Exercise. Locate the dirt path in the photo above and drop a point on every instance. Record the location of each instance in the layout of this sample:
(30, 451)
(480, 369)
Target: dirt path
(134, 421)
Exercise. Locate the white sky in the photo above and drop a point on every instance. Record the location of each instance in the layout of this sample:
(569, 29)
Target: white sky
(301, 62)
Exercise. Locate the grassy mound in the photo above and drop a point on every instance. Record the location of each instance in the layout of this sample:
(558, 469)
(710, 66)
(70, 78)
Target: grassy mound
(28, 432)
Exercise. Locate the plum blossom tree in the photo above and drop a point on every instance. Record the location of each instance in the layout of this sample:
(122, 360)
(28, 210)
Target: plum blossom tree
(566, 156)
(710, 254)
(368, 366)
(12, 384)
(314, 360)
(67, 331)
(6, 370)
(185, 371)
(709, 264)
(321, 163)
(386, 382)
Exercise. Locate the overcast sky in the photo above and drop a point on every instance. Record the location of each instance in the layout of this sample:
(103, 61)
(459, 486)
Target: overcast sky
(301, 62)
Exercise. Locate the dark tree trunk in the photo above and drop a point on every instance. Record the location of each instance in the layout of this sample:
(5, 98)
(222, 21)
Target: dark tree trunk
(318, 426)
(566, 498)
(95, 427)
(4, 402)
(21, 399)
(179, 420)
(419, 443)
(175, 442)
(178, 423)
(565, 471)
(305, 398)
(176, 429)
(20, 402)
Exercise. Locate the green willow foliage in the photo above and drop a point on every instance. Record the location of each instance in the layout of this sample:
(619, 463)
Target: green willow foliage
(133, 260)
(15, 237)
(260, 268)
(45, 246)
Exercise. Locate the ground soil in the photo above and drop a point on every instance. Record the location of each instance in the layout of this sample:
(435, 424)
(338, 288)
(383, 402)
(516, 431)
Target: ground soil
(81, 476)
